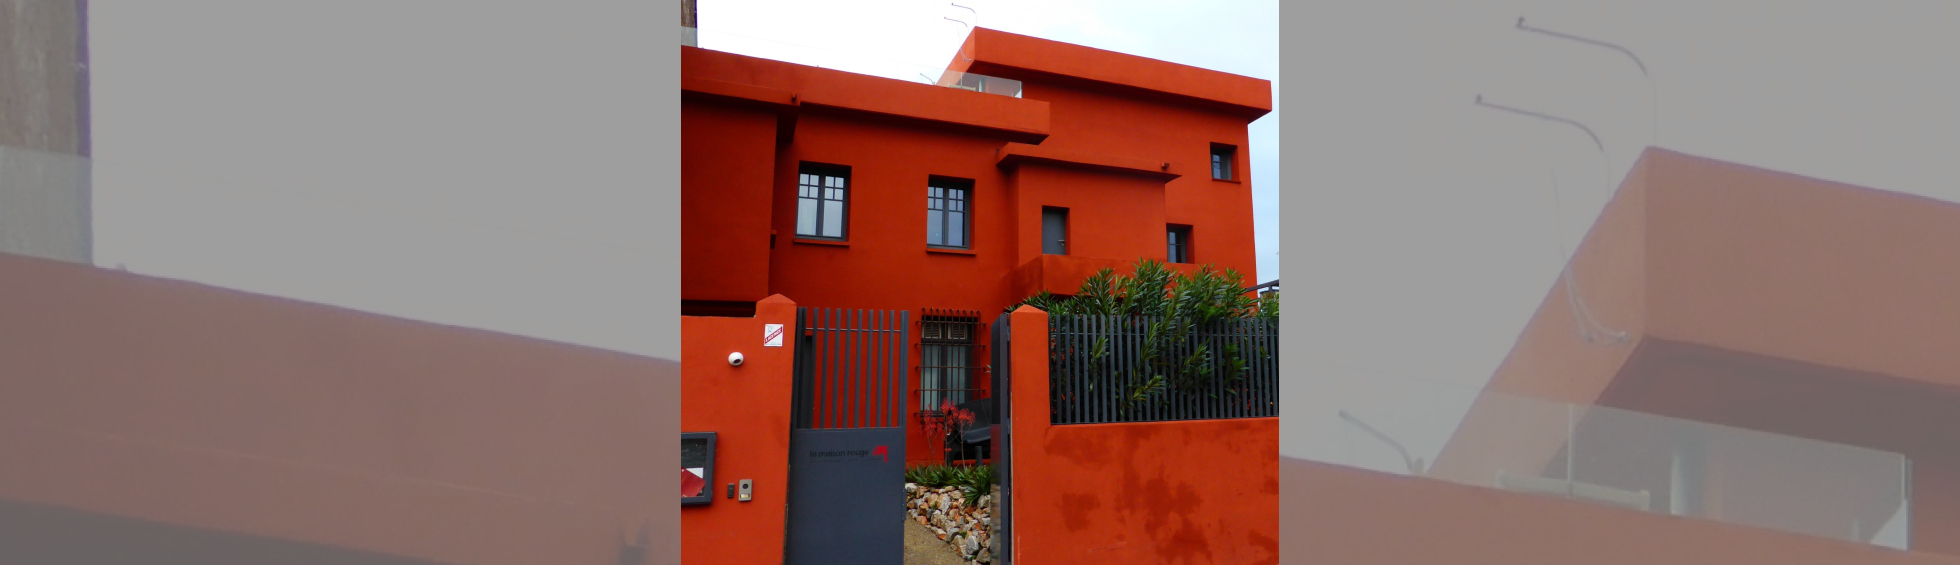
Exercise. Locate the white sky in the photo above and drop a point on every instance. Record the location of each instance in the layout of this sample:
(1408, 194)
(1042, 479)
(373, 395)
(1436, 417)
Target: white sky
(902, 39)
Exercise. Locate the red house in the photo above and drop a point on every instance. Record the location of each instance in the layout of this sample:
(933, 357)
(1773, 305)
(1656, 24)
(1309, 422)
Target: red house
(1030, 165)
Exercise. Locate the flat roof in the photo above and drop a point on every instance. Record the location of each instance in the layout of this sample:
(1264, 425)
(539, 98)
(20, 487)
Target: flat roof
(1020, 57)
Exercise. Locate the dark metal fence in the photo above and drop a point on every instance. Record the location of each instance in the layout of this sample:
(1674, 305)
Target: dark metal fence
(1105, 369)
(850, 368)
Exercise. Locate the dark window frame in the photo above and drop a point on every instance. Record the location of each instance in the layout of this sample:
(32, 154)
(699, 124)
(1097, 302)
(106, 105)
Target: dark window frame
(1177, 244)
(707, 470)
(958, 358)
(1224, 162)
(953, 196)
(822, 173)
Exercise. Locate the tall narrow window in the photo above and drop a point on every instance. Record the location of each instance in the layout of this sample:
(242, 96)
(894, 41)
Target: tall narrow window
(1180, 243)
(1222, 157)
(947, 212)
(821, 201)
(946, 357)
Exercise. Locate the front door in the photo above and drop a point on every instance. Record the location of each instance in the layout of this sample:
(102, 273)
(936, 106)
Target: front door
(1054, 231)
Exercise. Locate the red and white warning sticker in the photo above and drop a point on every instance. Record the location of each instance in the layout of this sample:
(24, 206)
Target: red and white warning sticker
(772, 335)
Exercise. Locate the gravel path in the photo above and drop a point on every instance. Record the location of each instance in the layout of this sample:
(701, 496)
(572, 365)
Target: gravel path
(924, 548)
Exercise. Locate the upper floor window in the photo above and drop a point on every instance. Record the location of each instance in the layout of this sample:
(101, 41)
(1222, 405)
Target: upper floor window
(946, 212)
(1180, 243)
(1222, 158)
(822, 197)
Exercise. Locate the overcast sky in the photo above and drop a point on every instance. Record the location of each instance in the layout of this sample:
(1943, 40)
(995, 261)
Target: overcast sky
(902, 39)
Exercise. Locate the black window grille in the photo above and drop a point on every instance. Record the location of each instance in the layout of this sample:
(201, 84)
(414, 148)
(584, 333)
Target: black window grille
(948, 348)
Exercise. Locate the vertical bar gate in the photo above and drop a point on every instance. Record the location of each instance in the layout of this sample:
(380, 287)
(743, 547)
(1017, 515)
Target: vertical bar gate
(847, 438)
(1003, 440)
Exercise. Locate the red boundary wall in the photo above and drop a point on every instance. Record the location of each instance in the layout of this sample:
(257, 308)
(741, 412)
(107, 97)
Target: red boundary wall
(1189, 492)
(748, 408)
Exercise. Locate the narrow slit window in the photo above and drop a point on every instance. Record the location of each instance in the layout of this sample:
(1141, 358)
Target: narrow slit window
(1179, 238)
(1222, 158)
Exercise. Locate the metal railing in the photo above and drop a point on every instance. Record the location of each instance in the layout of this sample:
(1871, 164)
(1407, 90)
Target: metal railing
(980, 83)
(1107, 369)
(1609, 456)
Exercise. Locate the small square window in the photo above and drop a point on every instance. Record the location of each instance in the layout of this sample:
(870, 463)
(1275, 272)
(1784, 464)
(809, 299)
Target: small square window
(1179, 238)
(1222, 159)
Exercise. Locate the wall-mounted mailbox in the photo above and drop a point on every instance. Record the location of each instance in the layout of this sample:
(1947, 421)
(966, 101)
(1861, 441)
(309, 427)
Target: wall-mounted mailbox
(697, 468)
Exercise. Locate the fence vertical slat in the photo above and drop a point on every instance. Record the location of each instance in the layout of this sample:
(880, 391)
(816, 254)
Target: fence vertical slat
(877, 369)
(1216, 403)
(1133, 339)
(1111, 377)
(1071, 389)
(861, 399)
(894, 385)
(885, 417)
(1270, 341)
(1270, 364)
(1122, 343)
(904, 332)
(833, 354)
(861, 363)
(817, 360)
(1092, 374)
(819, 384)
(1133, 335)
(1074, 370)
(1134, 370)
(1109, 371)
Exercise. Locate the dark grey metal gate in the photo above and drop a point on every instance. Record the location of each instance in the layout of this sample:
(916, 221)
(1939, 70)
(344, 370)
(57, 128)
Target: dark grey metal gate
(847, 442)
(1003, 440)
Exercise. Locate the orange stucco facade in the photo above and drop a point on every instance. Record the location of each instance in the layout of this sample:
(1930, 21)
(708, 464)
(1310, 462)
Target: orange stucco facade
(1765, 301)
(1123, 143)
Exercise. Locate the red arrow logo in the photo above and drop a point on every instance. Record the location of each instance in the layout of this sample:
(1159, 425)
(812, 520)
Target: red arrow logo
(880, 451)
